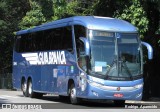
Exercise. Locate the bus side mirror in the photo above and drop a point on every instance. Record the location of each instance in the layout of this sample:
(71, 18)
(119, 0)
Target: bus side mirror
(86, 45)
(150, 50)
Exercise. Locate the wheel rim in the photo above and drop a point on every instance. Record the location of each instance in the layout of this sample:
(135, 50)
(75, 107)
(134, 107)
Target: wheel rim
(24, 87)
(73, 95)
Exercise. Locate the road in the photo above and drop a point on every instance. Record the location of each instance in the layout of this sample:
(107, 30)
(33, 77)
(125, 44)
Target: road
(17, 101)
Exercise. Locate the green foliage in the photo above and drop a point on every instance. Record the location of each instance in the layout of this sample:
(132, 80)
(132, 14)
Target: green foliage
(59, 9)
(40, 14)
(92, 8)
(3, 24)
(11, 11)
(33, 17)
(136, 15)
(3, 28)
(73, 8)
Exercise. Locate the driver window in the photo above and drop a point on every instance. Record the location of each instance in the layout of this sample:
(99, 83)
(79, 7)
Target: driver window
(80, 31)
(81, 57)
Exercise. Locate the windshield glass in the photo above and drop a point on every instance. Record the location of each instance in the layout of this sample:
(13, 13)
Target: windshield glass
(113, 57)
(129, 56)
(102, 51)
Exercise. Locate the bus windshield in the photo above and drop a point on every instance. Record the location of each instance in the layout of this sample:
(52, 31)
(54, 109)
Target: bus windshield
(114, 58)
(129, 56)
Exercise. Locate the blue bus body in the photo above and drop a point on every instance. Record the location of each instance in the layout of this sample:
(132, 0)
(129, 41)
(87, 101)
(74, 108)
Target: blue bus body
(53, 71)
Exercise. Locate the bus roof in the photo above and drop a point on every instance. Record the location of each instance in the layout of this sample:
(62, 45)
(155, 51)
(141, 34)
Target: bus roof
(90, 22)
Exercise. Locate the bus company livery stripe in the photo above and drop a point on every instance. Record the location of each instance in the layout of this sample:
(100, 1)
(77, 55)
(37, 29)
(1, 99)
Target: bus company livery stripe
(45, 58)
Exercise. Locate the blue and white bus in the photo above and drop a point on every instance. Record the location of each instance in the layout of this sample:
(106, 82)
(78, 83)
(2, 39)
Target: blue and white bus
(83, 57)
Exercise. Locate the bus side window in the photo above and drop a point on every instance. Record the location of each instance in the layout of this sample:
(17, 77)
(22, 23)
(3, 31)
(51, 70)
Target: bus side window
(81, 57)
(67, 39)
(80, 31)
(23, 47)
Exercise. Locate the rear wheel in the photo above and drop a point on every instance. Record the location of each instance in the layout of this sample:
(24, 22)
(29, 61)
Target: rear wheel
(30, 89)
(24, 88)
(31, 93)
(73, 98)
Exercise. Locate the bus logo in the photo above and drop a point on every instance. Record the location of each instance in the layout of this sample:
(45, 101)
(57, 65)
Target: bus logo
(118, 88)
(45, 58)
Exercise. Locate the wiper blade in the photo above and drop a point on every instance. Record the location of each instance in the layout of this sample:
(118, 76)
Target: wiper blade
(111, 66)
(127, 69)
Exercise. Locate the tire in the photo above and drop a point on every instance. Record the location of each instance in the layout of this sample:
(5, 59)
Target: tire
(119, 102)
(30, 91)
(24, 88)
(73, 99)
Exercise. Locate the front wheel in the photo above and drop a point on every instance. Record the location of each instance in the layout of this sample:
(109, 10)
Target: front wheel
(74, 100)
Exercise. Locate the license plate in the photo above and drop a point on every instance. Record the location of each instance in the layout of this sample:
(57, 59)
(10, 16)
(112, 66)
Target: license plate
(118, 95)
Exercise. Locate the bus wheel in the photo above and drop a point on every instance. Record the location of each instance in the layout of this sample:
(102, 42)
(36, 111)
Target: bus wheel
(119, 102)
(74, 100)
(31, 93)
(30, 89)
(24, 88)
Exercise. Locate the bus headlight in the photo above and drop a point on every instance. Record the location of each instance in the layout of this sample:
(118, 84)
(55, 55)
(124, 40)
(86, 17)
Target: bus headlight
(138, 86)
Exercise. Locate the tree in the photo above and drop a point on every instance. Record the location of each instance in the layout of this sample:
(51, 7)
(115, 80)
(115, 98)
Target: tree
(33, 17)
(44, 11)
(10, 14)
(136, 15)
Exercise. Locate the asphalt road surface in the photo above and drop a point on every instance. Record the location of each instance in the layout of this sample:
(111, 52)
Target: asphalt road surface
(10, 100)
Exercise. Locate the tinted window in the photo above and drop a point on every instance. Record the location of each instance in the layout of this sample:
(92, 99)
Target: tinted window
(79, 31)
(53, 39)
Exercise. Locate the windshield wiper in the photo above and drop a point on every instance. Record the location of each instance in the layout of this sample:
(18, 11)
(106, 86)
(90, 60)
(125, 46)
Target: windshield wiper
(127, 69)
(111, 66)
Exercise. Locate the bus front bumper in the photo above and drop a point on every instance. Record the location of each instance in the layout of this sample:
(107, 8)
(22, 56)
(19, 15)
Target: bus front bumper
(95, 91)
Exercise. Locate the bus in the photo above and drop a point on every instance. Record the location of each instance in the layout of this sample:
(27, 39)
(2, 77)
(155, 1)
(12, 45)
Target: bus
(80, 57)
